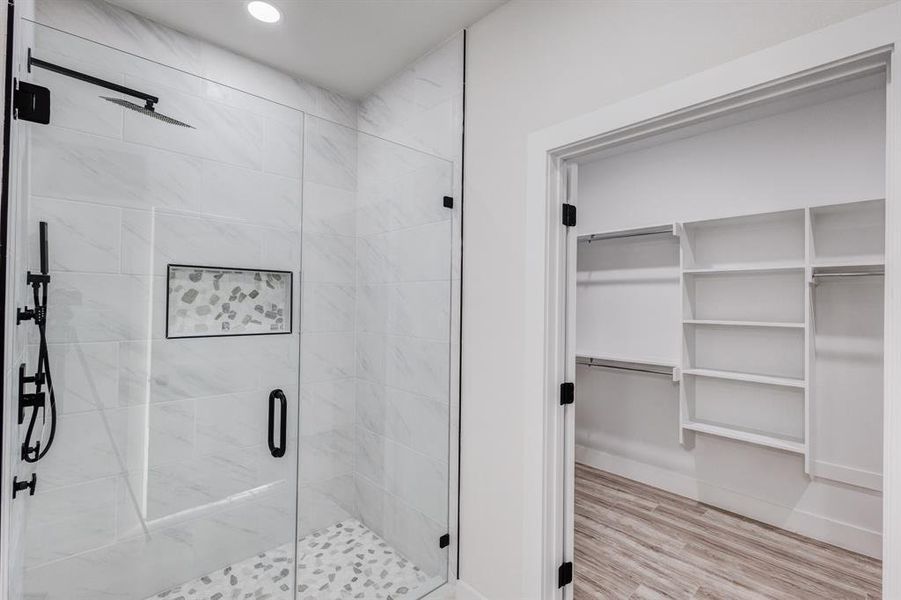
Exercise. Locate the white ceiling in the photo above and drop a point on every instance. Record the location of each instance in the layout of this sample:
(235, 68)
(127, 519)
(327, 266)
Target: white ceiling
(349, 46)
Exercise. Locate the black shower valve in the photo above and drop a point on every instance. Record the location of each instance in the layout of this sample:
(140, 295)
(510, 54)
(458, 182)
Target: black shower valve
(37, 278)
(21, 486)
(32, 401)
(25, 314)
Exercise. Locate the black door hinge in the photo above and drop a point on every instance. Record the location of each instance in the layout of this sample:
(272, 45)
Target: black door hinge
(21, 486)
(444, 541)
(448, 202)
(567, 393)
(565, 574)
(32, 103)
(569, 215)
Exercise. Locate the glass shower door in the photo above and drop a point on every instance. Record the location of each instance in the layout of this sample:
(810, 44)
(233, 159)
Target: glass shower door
(375, 367)
(172, 332)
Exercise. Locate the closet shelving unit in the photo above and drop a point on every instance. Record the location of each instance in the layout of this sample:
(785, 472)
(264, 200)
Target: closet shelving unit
(735, 342)
(620, 362)
(747, 316)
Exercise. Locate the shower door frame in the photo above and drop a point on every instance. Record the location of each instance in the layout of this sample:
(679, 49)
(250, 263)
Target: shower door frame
(5, 488)
(550, 261)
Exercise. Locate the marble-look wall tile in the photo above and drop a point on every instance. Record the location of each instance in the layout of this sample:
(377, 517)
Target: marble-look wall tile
(85, 375)
(407, 246)
(192, 368)
(328, 258)
(197, 482)
(89, 307)
(326, 356)
(326, 406)
(218, 132)
(410, 364)
(417, 422)
(412, 533)
(73, 519)
(136, 235)
(233, 421)
(203, 240)
(419, 481)
(283, 146)
(252, 197)
(170, 432)
(109, 571)
(82, 237)
(326, 455)
(420, 309)
(411, 199)
(330, 154)
(325, 503)
(418, 254)
(422, 105)
(329, 210)
(133, 176)
(75, 103)
(116, 27)
(328, 308)
(92, 445)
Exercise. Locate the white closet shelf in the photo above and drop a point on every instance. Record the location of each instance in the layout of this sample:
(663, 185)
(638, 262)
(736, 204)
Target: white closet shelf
(758, 439)
(779, 324)
(748, 377)
(749, 268)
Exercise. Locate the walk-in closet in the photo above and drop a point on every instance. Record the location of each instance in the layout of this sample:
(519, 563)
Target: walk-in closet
(729, 319)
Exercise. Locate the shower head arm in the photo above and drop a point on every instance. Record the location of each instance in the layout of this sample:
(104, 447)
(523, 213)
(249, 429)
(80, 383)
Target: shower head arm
(149, 100)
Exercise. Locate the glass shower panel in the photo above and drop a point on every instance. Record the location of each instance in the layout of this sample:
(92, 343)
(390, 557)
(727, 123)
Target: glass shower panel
(170, 474)
(375, 356)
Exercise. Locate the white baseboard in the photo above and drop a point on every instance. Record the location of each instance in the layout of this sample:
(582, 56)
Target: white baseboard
(840, 534)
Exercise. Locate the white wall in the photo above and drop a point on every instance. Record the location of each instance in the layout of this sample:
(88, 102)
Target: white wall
(530, 65)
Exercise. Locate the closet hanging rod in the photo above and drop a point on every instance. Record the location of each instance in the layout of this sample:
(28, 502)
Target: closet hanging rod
(625, 233)
(625, 365)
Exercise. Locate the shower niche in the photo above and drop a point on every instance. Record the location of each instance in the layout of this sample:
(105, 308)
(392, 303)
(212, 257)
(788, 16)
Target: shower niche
(262, 456)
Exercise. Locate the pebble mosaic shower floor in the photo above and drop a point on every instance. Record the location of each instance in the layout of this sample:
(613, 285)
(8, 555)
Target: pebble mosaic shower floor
(346, 560)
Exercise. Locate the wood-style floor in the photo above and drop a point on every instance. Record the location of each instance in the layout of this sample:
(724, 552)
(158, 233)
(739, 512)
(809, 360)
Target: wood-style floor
(637, 542)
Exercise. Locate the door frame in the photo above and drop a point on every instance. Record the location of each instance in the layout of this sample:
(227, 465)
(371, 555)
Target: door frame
(858, 43)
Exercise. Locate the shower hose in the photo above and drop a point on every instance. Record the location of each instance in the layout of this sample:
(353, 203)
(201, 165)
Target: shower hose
(31, 450)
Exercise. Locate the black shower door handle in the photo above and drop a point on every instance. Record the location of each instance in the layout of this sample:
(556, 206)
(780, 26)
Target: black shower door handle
(279, 450)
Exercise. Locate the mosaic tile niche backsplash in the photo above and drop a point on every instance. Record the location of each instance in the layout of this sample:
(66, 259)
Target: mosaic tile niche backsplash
(213, 301)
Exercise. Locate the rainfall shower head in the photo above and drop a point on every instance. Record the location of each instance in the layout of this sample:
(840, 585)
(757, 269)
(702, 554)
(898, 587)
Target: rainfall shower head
(150, 112)
(149, 100)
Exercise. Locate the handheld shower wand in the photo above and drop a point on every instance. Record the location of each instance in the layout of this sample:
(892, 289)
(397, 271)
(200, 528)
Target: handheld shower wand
(32, 451)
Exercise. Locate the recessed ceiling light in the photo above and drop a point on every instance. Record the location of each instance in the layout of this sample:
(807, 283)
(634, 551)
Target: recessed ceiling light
(263, 11)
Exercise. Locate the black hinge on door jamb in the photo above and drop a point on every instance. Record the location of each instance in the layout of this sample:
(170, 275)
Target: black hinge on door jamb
(444, 541)
(448, 202)
(565, 574)
(569, 215)
(567, 393)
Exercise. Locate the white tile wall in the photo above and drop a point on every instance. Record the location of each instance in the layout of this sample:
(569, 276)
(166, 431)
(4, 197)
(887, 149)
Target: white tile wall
(169, 431)
(409, 251)
(160, 469)
(403, 308)
(328, 318)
